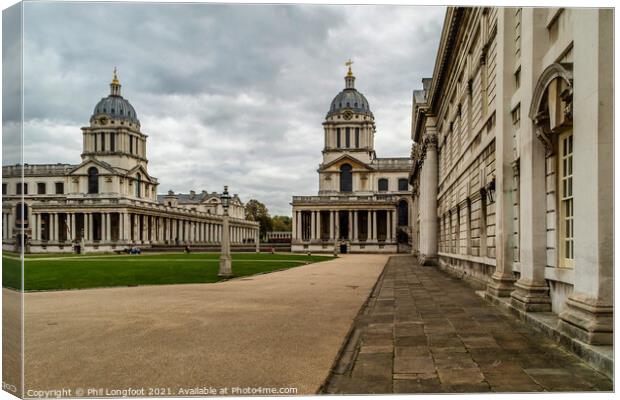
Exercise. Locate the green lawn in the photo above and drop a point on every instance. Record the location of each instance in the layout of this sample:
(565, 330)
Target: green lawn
(61, 272)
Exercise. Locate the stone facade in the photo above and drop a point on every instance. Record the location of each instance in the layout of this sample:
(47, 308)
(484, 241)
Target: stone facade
(512, 160)
(108, 201)
(364, 202)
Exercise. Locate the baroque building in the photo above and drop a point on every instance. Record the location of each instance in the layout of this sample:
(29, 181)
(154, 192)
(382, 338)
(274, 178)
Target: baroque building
(363, 203)
(109, 200)
(513, 164)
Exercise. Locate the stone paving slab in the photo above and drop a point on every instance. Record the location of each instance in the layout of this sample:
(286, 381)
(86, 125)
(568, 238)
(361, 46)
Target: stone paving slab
(424, 331)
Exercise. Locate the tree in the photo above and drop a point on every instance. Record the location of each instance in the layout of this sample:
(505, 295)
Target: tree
(257, 211)
(281, 223)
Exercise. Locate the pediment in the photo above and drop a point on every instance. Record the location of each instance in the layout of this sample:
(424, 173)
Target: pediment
(82, 168)
(346, 159)
(141, 170)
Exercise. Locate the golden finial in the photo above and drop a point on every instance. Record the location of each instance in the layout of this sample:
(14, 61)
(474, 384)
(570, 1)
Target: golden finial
(348, 64)
(115, 78)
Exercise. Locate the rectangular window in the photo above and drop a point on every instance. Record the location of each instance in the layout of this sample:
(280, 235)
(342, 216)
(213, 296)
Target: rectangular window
(60, 188)
(130, 144)
(41, 188)
(516, 116)
(403, 185)
(566, 243)
(4, 188)
(518, 78)
(21, 188)
(357, 138)
(95, 141)
(102, 141)
(112, 141)
(338, 141)
(347, 137)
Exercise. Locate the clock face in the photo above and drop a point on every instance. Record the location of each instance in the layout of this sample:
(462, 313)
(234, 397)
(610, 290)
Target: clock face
(348, 114)
(103, 120)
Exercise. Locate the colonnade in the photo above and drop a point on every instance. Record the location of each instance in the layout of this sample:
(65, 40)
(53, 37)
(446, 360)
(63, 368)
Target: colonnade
(126, 227)
(352, 224)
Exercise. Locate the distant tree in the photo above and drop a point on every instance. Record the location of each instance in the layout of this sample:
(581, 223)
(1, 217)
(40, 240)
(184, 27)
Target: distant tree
(257, 211)
(281, 223)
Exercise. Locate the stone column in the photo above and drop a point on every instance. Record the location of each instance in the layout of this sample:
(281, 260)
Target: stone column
(331, 225)
(531, 290)
(89, 226)
(294, 225)
(121, 226)
(318, 224)
(127, 227)
(35, 226)
(394, 224)
(11, 224)
(337, 224)
(588, 315)
(428, 186)
(102, 226)
(355, 224)
(108, 227)
(312, 225)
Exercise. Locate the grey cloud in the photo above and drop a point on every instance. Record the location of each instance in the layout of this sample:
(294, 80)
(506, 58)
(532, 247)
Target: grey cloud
(229, 94)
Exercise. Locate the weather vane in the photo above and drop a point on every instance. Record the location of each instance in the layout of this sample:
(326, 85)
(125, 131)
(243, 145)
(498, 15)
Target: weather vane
(348, 64)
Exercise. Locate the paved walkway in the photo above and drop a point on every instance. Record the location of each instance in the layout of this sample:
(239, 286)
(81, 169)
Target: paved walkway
(426, 332)
(282, 329)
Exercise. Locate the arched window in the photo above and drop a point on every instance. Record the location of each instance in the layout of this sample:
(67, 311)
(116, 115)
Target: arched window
(138, 185)
(383, 185)
(93, 180)
(346, 178)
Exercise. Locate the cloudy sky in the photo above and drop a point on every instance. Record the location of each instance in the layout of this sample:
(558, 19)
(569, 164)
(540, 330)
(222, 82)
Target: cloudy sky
(228, 94)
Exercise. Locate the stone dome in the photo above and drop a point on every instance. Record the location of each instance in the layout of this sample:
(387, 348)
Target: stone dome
(115, 106)
(349, 99)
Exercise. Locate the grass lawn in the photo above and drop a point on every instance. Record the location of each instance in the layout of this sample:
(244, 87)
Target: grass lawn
(61, 272)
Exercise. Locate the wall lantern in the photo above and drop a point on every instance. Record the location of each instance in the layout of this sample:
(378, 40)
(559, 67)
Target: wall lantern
(490, 190)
